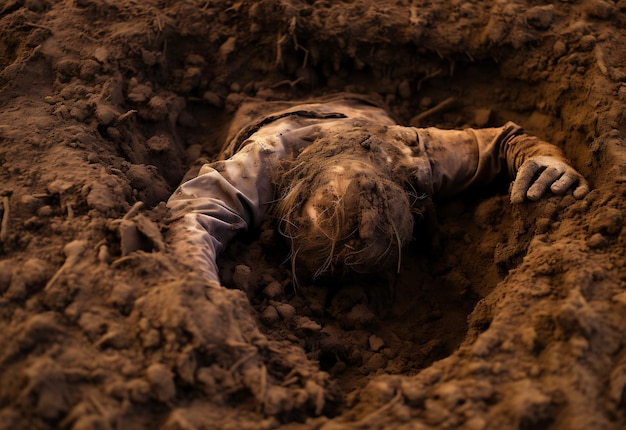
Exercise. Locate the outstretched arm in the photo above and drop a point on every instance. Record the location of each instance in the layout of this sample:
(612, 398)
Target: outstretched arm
(464, 158)
(224, 198)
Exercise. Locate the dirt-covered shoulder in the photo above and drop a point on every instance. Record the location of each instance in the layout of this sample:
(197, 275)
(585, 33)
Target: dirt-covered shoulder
(502, 317)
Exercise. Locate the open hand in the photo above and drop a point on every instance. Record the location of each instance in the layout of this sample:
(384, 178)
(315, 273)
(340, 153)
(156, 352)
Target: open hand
(538, 174)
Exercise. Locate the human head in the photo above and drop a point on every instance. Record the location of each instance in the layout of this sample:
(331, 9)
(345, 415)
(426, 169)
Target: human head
(344, 207)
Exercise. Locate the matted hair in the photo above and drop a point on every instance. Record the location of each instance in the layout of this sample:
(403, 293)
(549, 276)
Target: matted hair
(361, 229)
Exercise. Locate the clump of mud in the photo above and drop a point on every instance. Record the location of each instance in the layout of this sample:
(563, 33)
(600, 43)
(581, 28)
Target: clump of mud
(502, 317)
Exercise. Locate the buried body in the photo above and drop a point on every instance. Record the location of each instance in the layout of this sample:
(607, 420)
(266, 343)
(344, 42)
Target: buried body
(346, 183)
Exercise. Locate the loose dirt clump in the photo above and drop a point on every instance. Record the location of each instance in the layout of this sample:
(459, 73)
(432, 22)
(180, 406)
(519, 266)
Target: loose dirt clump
(501, 316)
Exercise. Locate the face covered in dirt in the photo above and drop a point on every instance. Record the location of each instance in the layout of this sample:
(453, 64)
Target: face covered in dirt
(343, 208)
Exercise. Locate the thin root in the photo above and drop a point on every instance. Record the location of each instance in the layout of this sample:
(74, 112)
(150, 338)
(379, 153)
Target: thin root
(417, 119)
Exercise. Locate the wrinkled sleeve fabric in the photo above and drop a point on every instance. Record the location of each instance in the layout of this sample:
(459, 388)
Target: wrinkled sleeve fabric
(226, 197)
(461, 159)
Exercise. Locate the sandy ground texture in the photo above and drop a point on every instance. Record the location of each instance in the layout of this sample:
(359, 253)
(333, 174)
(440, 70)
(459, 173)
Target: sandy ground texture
(502, 317)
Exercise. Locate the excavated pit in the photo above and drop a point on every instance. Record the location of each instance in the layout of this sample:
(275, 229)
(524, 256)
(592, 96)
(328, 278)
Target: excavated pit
(502, 316)
(398, 325)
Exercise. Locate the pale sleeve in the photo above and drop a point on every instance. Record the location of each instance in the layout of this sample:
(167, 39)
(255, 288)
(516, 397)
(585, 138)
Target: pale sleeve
(226, 197)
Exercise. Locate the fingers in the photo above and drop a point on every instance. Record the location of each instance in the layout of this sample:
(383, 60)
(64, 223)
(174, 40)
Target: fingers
(582, 189)
(543, 182)
(571, 180)
(523, 180)
(561, 186)
(538, 175)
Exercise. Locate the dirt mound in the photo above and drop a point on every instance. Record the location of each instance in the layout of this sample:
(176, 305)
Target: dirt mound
(503, 317)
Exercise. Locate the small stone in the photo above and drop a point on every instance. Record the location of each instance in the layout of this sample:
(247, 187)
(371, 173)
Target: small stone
(543, 224)
(559, 49)
(213, 99)
(52, 100)
(106, 114)
(89, 69)
(101, 197)
(140, 93)
(130, 238)
(360, 316)
(159, 143)
(376, 343)
(74, 248)
(233, 100)
(450, 394)
(191, 79)
(587, 42)
(412, 391)
(59, 186)
(158, 110)
(67, 67)
(150, 58)
(161, 381)
(273, 290)
(62, 111)
(269, 315)
(227, 48)
(286, 311)
(597, 241)
(122, 295)
(35, 272)
(150, 231)
(79, 113)
(101, 54)
(600, 9)
(104, 256)
(195, 60)
(305, 323)
(540, 16)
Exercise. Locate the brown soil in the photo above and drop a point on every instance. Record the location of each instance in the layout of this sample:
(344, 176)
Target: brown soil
(502, 316)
